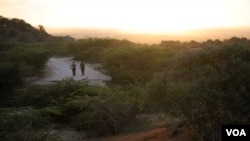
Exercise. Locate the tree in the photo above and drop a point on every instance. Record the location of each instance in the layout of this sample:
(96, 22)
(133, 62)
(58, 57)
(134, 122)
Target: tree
(41, 28)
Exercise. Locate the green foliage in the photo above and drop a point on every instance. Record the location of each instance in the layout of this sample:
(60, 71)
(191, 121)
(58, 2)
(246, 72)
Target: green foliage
(19, 118)
(30, 60)
(101, 110)
(48, 95)
(107, 112)
(90, 49)
(206, 88)
(24, 124)
(134, 64)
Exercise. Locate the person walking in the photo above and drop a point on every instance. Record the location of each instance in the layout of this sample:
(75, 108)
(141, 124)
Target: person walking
(73, 68)
(82, 66)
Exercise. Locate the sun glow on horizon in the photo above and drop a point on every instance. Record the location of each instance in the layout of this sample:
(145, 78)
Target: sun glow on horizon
(138, 16)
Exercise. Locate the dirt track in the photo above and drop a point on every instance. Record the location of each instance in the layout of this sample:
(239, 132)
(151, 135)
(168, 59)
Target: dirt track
(160, 130)
(59, 68)
(158, 134)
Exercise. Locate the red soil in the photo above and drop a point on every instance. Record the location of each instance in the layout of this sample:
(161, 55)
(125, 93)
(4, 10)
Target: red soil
(158, 134)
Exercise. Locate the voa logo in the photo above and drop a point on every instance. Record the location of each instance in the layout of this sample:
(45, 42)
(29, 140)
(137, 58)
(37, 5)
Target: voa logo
(236, 132)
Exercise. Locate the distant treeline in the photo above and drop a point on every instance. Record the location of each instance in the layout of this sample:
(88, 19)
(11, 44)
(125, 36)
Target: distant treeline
(20, 31)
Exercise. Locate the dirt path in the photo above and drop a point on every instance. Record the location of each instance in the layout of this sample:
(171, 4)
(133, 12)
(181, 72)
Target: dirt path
(161, 129)
(158, 134)
(59, 68)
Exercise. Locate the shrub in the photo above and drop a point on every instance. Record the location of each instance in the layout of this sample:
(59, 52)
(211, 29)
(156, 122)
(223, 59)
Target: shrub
(105, 112)
(134, 64)
(29, 59)
(40, 96)
(206, 88)
(100, 110)
(24, 124)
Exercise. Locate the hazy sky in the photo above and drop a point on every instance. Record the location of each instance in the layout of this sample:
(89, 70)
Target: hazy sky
(145, 16)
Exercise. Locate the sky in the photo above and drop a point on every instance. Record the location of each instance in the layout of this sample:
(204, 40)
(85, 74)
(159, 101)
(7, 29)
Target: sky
(138, 16)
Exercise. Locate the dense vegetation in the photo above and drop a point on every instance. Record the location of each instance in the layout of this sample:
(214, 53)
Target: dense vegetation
(204, 84)
(206, 88)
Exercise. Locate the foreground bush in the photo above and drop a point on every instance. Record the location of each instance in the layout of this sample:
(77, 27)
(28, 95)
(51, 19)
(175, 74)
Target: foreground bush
(24, 124)
(104, 110)
(206, 89)
(100, 110)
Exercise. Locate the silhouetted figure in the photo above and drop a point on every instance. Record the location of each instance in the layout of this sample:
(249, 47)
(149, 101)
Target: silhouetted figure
(82, 66)
(73, 68)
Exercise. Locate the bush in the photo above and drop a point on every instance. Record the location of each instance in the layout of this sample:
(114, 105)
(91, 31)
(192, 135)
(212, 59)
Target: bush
(24, 124)
(100, 110)
(107, 111)
(40, 96)
(206, 88)
(29, 59)
(134, 64)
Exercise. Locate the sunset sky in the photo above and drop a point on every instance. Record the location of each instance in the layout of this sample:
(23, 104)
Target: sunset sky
(139, 16)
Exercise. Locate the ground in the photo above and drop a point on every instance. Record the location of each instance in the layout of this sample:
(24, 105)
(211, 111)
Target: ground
(158, 134)
(163, 128)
